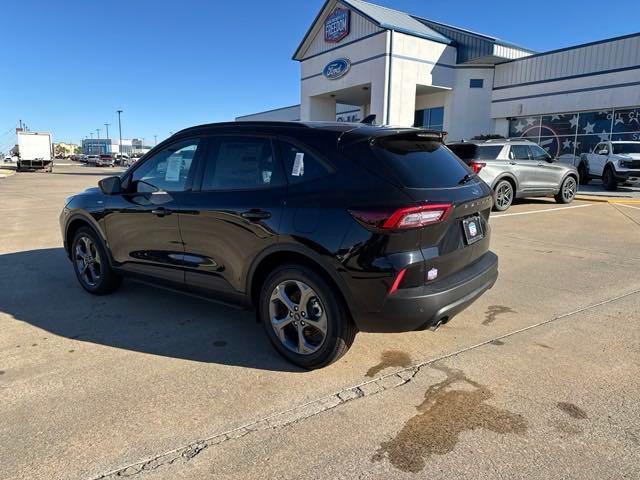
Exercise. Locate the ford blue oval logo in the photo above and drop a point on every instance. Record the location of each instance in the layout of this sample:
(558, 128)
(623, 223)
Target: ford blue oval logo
(336, 69)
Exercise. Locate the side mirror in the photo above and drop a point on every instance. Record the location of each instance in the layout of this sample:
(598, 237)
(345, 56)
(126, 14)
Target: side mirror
(111, 185)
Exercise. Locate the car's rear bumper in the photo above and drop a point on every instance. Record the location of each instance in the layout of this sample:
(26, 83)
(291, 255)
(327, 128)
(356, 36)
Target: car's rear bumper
(422, 307)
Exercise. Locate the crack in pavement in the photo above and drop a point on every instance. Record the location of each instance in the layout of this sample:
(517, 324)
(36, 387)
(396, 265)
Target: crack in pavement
(314, 407)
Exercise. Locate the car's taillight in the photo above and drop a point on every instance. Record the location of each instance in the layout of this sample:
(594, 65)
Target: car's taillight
(404, 218)
(477, 166)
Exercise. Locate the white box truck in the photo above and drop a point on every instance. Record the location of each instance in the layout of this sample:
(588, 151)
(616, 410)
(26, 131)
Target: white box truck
(34, 151)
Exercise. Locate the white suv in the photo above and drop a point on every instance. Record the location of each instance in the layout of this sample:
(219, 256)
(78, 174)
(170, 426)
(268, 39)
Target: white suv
(613, 162)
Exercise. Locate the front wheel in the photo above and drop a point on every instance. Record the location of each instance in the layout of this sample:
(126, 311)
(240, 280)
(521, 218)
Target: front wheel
(91, 264)
(304, 317)
(503, 196)
(609, 180)
(567, 191)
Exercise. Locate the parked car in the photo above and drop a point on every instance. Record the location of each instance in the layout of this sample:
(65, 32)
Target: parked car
(92, 159)
(324, 228)
(518, 168)
(613, 162)
(105, 160)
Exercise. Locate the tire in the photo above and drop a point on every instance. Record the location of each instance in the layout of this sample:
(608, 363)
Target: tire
(96, 275)
(583, 173)
(609, 180)
(299, 337)
(568, 190)
(504, 195)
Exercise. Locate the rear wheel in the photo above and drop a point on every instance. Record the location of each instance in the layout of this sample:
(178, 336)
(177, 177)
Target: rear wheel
(567, 191)
(91, 264)
(609, 180)
(503, 196)
(304, 317)
(583, 173)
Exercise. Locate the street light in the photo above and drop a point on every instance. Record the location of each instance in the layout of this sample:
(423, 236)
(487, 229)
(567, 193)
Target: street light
(107, 125)
(155, 140)
(120, 128)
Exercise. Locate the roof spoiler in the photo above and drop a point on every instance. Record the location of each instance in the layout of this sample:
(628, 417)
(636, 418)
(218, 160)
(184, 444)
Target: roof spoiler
(369, 119)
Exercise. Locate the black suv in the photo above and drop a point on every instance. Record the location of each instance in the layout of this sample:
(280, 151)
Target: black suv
(324, 228)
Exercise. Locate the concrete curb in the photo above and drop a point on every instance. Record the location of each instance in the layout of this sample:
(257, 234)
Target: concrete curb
(598, 199)
(6, 173)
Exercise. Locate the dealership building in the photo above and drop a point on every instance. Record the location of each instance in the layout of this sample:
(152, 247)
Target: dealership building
(359, 58)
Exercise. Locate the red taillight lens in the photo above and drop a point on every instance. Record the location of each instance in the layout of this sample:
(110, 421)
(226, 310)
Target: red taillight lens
(416, 217)
(404, 218)
(477, 166)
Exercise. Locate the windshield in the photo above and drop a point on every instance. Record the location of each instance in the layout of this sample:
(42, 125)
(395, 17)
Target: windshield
(421, 163)
(626, 147)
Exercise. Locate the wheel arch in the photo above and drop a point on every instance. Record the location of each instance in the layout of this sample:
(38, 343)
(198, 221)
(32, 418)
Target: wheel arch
(74, 223)
(273, 257)
(511, 179)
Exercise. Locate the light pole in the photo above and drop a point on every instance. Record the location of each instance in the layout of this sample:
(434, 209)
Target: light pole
(107, 125)
(120, 128)
(155, 140)
(109, 149)
(91, 144)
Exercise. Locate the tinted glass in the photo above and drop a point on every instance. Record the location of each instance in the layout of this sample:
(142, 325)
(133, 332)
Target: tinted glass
(559, 124)
(432, 118)
(538, 153)
(168, 169)
(469, 151)
(528, 127)
(236, 163)
(626, 148)
(476, 83)
(519, 152)
(627, 121)
(301, 164)
(421, 163)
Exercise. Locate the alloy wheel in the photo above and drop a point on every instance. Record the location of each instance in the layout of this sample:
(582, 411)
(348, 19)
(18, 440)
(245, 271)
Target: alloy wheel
(504, 195)
(88, 262)
(298, 317)
(569, 189)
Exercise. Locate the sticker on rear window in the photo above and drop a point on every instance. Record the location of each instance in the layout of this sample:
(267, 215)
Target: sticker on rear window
(298, 165)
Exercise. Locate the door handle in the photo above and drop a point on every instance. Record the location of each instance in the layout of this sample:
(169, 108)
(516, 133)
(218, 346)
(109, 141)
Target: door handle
(255, 214)
(513, 163)
(161, 211)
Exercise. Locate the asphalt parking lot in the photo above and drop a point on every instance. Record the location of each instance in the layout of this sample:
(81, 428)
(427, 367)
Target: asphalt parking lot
(538, 379)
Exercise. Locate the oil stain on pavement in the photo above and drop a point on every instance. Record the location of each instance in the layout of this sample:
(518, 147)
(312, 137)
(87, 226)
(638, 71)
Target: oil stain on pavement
(443, 416)
(390, 358)
(572, 410)
(493, 311)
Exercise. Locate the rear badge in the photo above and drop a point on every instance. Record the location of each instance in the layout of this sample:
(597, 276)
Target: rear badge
(432, 274)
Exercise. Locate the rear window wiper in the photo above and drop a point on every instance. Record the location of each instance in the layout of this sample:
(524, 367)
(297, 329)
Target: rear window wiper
(466, 178)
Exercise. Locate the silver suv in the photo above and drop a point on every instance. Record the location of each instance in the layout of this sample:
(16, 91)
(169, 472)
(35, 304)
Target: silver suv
(517, 168)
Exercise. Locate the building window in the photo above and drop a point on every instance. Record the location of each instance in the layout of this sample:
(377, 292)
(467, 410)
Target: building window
(568, 135)
(432, 118)
(476, 83)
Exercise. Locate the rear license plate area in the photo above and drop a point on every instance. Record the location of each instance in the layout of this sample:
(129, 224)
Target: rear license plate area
(472, 227)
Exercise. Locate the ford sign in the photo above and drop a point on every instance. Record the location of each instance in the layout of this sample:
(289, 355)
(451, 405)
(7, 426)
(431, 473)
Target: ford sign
(337, 69)
(337, 25)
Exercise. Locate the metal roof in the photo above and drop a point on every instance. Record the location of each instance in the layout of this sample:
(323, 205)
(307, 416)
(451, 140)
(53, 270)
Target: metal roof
(395, 20)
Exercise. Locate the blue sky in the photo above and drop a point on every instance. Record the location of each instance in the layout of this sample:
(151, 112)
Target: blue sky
(66, 66)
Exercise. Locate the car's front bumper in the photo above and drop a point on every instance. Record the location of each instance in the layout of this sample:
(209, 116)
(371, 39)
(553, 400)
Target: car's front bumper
(426, 306)
(632, 176)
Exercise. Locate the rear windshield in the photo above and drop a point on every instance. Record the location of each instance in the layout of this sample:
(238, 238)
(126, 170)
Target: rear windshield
(421, 163)
(626, 147)
(469, 151)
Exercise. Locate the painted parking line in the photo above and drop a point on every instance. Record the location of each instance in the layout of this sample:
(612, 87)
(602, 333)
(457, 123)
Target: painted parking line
(539, 211)
(628, 206)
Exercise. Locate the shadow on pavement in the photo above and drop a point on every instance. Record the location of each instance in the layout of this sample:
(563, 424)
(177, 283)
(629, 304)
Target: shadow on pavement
(39, 287)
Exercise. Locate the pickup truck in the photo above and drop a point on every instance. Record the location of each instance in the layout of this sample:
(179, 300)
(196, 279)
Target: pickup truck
(613, 162)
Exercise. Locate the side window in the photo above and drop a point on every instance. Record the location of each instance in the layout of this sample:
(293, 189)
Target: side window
(519, 152)
(168, 170)
(238, 163)
(538, 153)
(301, 165)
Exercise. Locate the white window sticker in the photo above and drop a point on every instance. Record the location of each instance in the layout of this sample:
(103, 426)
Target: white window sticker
(298, 165)
(174, 165)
